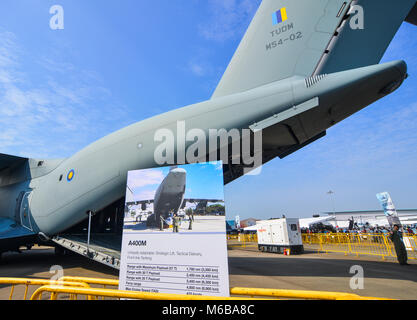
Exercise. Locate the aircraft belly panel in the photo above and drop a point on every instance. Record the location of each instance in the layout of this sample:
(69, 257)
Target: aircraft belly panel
(278, 136)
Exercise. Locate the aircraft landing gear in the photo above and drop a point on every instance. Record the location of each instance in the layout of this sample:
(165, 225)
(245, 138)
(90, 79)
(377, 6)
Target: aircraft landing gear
(59, 251)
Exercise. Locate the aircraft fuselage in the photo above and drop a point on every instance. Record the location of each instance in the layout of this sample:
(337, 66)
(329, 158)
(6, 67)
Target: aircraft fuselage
(96, 176)
(169, 195)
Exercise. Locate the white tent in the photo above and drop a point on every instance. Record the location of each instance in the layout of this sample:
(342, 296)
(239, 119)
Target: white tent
(307, 222)
(251, 228)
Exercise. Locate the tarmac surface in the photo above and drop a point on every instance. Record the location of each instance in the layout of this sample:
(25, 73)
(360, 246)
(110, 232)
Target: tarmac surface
(322, 272)
(247, 268)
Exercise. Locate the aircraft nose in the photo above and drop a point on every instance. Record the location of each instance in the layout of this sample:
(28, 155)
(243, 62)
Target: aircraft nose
(178, 171)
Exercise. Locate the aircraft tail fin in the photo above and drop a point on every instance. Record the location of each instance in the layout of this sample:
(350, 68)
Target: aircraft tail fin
(304, 37)
(366, 35)
(286, 37)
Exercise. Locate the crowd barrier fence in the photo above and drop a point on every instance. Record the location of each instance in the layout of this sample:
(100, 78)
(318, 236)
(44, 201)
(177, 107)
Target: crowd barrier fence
(376, 244)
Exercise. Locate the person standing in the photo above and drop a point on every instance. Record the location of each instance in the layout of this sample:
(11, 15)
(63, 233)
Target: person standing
(161, 223)
(176, 223)
(190, 225)
(397, 238)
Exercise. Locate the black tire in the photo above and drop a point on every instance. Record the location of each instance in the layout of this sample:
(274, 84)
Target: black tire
(59, 251)
(151, 221)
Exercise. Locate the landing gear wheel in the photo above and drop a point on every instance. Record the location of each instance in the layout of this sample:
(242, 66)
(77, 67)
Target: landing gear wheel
(151, 221)
(59, 251)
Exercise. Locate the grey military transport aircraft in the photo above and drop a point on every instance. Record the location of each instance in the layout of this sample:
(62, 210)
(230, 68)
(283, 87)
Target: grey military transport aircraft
(301, 67)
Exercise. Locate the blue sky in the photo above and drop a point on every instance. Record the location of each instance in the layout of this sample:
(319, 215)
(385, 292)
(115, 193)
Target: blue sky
(119, 62)
(204, 181)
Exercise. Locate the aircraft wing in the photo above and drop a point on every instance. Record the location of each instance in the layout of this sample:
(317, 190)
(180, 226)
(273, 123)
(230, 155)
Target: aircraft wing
(139, 202)
(202, 200)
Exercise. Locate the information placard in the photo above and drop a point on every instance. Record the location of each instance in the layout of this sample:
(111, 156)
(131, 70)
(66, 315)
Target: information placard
(174, 237)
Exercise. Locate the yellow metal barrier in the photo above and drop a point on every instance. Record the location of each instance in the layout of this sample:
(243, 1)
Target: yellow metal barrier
(121, 294)
(300, 294)
(91, 281)
(377, 244)
(359, 243)
(297, 294)
(37, 282)
(75, 286)
(242, 240)
(243, 291)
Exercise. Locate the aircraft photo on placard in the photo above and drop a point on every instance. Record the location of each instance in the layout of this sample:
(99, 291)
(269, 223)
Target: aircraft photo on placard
(161, 199)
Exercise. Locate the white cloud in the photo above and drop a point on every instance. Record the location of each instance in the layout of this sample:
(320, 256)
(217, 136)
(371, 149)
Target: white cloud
(8, 49)
(197, 69)
(229, 19)
(43, 109)
(144, 178)
(144, 183)
(145, 195)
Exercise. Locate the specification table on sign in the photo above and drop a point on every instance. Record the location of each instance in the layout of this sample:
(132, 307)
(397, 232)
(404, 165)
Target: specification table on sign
(191, 264)
(188, 279)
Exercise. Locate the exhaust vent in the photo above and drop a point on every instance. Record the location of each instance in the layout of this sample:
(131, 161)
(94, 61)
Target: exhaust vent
(311, 81)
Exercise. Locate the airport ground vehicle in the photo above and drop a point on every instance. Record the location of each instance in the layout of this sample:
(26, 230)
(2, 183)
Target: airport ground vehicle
(278, 235)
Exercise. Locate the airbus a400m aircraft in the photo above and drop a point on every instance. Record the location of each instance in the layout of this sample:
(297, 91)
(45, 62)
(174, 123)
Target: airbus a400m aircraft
(300, 69)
